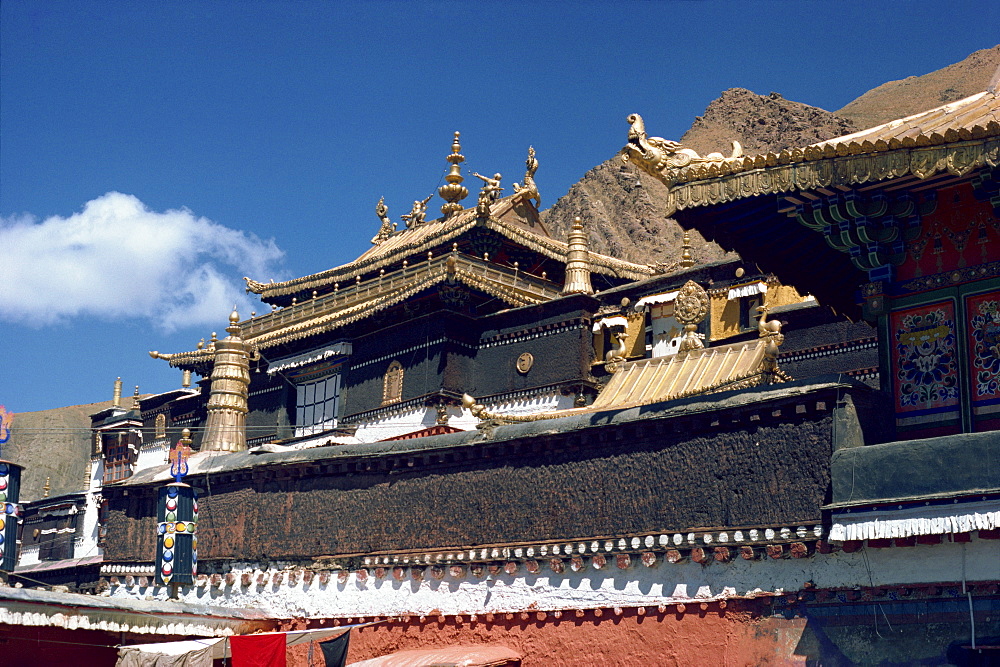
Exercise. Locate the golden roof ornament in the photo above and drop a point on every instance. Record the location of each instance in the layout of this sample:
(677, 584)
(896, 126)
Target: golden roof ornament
(135, 398)
(47, 487)
(488, 194)
(453, 191)
(690, 308)
(417, 213)
(529, 190)
(117, 400)
(577, 261)
(687, 261)
(663, 158)
(388, 227)
(225, 428)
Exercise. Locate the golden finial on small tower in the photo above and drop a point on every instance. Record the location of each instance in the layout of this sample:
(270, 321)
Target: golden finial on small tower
(577, 261)
(47, 487)
(687, 261)
(453, 191)
(135, 398)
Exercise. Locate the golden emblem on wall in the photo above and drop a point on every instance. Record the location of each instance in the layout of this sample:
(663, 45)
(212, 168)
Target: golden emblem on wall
(392, 383)
(524, 362)
(691, 304)
(690, 308)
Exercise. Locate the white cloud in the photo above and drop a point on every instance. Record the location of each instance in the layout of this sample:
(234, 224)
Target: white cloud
(118, 259)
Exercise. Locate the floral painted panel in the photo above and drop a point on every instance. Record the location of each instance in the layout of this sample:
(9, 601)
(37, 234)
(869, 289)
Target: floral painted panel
(924, 358)
(983, 313)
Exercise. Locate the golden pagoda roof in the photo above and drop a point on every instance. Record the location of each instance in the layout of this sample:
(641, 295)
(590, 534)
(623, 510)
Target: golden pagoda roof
(506, 218)
(356, 301)
(647, 381)
(956, 137)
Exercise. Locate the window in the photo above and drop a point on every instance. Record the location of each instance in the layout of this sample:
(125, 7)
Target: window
(161, 426)
(748, 311)
(120, 448)
(316, 405)
(392, 384)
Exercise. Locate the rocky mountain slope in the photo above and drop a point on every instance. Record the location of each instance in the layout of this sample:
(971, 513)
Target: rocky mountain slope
(625, 210)
(897, 99)
(52, 444)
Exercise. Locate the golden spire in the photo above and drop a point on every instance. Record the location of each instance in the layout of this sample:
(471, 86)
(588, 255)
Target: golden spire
(686, 260)
(47, 487)
(117, 400)
(225, 428)
(453, 191)
(577, 261)
(135, 398)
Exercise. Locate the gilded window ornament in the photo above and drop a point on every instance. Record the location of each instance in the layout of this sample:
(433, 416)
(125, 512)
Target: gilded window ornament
(161, 426)
(524, 362)
(392, 384)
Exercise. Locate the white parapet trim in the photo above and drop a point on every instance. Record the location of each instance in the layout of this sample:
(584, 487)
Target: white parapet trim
(912, 521)
(286, 590)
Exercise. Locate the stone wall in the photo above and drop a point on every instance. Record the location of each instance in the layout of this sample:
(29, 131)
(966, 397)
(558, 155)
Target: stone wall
(763, 462)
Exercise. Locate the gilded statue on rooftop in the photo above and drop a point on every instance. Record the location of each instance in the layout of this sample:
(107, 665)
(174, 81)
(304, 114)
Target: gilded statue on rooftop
(661, 157)
(489, 194)
(388, 227)
(417, 213)
(529, 190)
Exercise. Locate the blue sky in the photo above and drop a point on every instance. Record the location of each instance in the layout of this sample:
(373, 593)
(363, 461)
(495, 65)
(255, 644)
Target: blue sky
(151, 154)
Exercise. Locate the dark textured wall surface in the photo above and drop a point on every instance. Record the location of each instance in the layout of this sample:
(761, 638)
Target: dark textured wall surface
(723, 469)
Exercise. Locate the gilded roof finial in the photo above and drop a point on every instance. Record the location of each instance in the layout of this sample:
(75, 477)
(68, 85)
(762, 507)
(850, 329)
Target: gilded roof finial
(578, 261)
(388, 227)
(225, 428)
(47, 487)
(186, 378)
(135, 398)
(234, 322)
(117, 400)
(529, 190)
(453, 191)
(687, 261)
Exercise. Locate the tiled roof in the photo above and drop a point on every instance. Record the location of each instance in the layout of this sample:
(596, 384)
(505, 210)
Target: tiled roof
(702, 371)
(957, 138)
(951, 122)
(426, 236)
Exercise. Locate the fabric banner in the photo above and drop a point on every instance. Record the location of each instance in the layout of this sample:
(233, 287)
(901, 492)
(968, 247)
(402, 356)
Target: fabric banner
(263, 650)
(134, 657)
(335, 650)
(925, 365)
(982, 313)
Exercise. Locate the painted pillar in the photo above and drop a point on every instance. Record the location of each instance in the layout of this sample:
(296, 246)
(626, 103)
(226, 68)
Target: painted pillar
(177, 517)
(10, 513)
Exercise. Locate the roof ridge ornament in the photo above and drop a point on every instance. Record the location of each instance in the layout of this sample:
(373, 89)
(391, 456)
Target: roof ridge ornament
(690, 308)
(529, 190)
(663, 158)
(453, 191)
(387, 228)
(417, 213)
(490, 193)
(578, 261)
